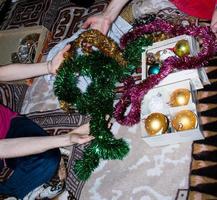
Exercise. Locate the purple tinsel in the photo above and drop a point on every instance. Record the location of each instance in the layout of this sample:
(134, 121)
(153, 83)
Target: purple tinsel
(134, 93)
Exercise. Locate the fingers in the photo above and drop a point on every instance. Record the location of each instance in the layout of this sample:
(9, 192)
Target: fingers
(87, 23)
(66, 48)
(65, 51)
(84, 139)
(214, 22)
(214, 28)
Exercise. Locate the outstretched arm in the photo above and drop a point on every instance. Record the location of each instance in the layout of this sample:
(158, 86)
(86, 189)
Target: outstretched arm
(22, 71)
(103, 22)
(17, 147)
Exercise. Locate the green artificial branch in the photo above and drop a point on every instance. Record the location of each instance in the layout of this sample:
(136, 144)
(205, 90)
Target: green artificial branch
(97, 101)
(133, 51)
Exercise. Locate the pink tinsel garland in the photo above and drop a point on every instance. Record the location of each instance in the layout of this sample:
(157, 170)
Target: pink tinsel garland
(134, 93)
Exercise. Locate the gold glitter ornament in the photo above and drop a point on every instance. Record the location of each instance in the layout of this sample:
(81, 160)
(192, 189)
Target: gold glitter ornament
(184, 120)
(66, 106)
(156, 123)
(157, 37)
(180, 97)
(85, 41)
(182, 48)
(95, 38)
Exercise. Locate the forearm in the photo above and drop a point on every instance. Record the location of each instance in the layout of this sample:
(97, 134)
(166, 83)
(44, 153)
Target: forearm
(22, 71)
(17, 147)
(114, 8)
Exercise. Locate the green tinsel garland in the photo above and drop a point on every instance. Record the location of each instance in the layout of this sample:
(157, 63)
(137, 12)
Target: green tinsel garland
(97, 101)
(133, 51)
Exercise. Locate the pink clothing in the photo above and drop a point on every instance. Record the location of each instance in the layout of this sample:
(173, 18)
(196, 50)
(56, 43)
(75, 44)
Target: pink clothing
(5, 119)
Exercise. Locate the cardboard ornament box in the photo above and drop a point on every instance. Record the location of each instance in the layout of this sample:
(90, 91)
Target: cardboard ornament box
(161, 100)
(157, 104)
(198, 77)
(23, 45)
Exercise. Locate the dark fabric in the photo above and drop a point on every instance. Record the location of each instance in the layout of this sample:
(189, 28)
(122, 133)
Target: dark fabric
(29, 171)
(83, 3)
(26, 13)
(58, 122)
(4, 8)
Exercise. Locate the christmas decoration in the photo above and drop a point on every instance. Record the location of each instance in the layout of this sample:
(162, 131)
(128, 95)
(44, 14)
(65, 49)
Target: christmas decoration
(134, 93)
(105, 65)
(104, 68)
(151, 58)
(132, 52)
(156, 103)
(184, 120)
(156, 123)
(182, 48)
(180, 97)
(154, 69)
(164, 54)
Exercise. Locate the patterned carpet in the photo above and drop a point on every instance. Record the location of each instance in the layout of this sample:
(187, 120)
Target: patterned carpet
(64, 18)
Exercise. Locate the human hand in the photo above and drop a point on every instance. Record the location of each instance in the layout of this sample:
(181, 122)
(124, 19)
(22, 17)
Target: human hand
(55, 63)
(214, 22)
(79, 138)
(80, 135)
(98, 22)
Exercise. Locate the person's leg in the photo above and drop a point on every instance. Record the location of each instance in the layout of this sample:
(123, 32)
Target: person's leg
(29, 171)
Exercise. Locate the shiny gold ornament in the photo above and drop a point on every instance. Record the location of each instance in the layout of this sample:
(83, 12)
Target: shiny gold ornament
(180, 97)
(182, 48)
(156, 123)
(184, 120)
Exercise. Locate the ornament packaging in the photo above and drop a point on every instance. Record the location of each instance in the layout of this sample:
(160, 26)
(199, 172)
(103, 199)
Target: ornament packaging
(169, 115)
(179, 46)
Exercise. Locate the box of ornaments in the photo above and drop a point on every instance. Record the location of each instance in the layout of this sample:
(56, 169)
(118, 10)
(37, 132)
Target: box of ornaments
(169, 115)
(184, 45)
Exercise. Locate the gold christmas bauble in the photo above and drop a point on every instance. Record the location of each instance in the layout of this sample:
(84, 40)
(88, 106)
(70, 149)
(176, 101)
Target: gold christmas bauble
(182, 48)
(184, 120)
(180, 97)
(156, 123)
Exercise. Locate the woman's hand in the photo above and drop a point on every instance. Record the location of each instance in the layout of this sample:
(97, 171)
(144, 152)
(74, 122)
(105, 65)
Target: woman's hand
(80, 135)
(79, 139)
(98, 22)
(55, 63)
